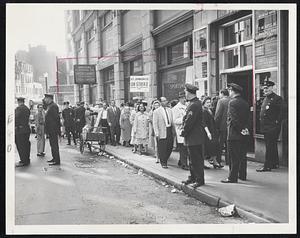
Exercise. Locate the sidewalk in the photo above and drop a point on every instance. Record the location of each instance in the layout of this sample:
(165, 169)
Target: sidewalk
(262, 198)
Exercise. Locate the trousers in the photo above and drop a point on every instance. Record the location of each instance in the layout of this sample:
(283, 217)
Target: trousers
(40, 137)
(69, 131)
(183, 154)
(53, 139)
(222, 139)
(164, 147)
(271, 156)
(237, 159)
(115, 133)
(196, 161)
(23, 147)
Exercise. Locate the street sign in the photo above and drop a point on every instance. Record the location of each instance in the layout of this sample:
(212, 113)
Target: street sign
(140, 84)
(84, 74)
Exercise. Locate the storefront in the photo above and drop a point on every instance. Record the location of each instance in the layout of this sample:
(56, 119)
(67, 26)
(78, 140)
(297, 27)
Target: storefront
(246, 48)
(173, 43)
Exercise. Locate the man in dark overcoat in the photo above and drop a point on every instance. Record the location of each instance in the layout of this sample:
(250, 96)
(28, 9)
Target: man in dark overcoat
(52, 128)
(22, 132)
(221, 123)
(193, 133)
(69, 122)
(237, 131)
(270, 124)
(79, 118)
(113, 119)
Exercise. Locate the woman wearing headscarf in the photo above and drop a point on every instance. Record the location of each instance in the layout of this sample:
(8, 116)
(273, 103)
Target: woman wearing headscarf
(125, 126)
(141, 128)
(40, 130)
(211, 140)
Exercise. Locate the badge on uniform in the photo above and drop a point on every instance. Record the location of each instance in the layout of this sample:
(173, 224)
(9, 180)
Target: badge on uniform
(267, 107)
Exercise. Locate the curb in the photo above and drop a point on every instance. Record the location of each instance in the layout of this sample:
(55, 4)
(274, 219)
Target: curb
(202, 196)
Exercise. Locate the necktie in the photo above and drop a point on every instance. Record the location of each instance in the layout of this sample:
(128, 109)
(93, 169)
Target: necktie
(167, 116)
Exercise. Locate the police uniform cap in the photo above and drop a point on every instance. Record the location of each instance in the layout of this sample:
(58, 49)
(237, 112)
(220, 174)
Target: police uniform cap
(235, 87)
(181, 94)
(47, 95)
(268, 84)
(20, 99)
(191, 88)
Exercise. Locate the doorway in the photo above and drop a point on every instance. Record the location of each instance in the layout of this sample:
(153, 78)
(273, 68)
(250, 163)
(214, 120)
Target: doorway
(245, 80)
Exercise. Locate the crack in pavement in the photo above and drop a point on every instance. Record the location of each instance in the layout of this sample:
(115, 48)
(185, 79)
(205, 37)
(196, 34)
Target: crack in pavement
(49, 212)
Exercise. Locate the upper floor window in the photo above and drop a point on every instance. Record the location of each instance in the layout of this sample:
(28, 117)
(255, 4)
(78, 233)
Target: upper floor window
(179, 51)
(107, 19)
(90, 33)
(78, 45)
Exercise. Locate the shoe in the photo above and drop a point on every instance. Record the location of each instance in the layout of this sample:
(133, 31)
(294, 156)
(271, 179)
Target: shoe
(275, 166)
(206, 167)
(263, 169)
(196, 185)
(189, 181)
(54, 163)
(157, 162)
(228, 181)
(184, 167)
(68, 143)
(21, 164)
(164, 166)
(43, 153)
(244, 179)
(50, 161)
(40, 154)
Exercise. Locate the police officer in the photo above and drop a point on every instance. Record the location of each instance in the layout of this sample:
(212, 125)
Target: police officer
(52, 128)
(193, 133)
(270, 123)
(237, 132)
(69, 116)
(22, 132)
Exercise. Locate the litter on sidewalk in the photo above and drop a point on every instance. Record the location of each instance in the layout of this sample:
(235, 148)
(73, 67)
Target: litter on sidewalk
(228, 211)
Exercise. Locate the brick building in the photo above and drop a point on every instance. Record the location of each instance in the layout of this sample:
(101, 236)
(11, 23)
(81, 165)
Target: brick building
(207, 47)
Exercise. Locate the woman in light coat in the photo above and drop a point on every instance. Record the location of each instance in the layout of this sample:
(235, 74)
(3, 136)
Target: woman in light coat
(40, 130)
(152, 140)
(132, 117)
(125, 126)
(141, 128)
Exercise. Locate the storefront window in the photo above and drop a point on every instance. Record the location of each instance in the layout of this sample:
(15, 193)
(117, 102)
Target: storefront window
(178, 52)
(231, 58)
(108, 84)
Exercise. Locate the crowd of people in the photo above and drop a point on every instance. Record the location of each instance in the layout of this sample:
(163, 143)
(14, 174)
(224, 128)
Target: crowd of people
(200, 129)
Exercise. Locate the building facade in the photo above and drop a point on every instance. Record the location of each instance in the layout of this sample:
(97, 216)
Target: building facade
(209, 48)
(24, 83)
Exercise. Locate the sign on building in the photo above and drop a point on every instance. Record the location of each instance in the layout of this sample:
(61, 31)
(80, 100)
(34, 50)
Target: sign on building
(140, 84)
(84, 74)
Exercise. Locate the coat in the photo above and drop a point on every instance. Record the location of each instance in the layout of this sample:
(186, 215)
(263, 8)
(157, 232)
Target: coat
(210, 147)
(113, 117)
(80, 116)
(68, 115)
(193, 129)
(22, 114)
(159, 122)
(237, 118)
(52, 119)
(125, 126)
(141, 127)
(221, 114)
(178, 113)
(40, 122)
(271, 113)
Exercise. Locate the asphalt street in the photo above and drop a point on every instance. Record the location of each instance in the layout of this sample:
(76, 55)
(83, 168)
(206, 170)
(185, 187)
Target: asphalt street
(92, 189)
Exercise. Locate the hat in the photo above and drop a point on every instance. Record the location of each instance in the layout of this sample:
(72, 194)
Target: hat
(82, 103)
(235, 86)
(268, 84)
(181, 94)
(20, 99)
(49, 95)
(191, 88)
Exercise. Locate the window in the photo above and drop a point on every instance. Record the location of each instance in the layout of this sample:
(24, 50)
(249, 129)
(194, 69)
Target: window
(90, 33)
(136, 66)
(246, 55)
(78, 45)
(161, 56)
(107, 19)
(178, 52)
(230, 58)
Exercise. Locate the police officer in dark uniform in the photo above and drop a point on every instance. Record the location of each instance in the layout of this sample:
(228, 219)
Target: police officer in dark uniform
(193, 133)
(270, 122)
(22, 132)
(79, 118)
(52, 128)
(238, 116)
(69, 124)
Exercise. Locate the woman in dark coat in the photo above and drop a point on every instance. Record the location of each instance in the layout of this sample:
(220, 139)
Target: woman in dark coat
(211, 139)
